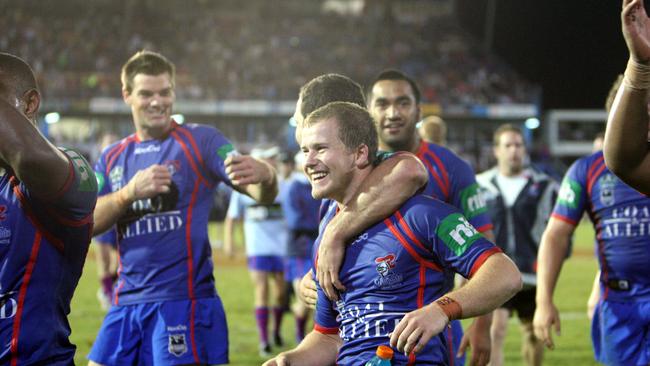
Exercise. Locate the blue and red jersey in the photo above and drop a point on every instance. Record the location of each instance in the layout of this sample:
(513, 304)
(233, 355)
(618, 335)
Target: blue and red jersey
(301, 211)
(397, 266)
(43, 246)
(621, 218)
(452, 180)
(164, 251)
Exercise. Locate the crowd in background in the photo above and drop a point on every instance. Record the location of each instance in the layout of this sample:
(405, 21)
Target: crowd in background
(252, 50)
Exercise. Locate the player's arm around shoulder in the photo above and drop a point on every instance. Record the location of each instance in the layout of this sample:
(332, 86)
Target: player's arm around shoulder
(387, 187)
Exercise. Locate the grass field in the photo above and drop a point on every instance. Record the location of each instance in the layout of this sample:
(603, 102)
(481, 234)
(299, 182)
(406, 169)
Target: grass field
(573, 347)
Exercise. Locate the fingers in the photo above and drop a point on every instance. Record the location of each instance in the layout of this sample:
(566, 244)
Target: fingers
(244, 170)
(480, 358)
(464, 343)
(325, 282)
(308, 292)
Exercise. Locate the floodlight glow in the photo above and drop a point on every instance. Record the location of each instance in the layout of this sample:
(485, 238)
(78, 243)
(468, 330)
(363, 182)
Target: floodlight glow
(179, 118)
(52, 117)
(532, 123)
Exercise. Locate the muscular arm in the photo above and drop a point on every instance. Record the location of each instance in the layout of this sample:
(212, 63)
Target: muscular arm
(626, 147)
(496, 281)
(389, 185)
(315, 350)
(43, 168)
(626, 143)
(551, 254)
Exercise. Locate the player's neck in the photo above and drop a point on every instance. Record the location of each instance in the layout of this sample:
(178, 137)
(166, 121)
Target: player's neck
(349, 196)
(146, 134)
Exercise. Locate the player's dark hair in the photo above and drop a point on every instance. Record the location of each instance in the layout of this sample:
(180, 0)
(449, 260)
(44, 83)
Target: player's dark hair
(506, 127)
(16, 77)
(148, 63)
(329, 88)
(392, 74)
(355, 125)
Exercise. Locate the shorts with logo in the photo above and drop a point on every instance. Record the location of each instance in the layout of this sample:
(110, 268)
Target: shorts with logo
(176, 332)
(296, 267)
(620, 333)
(266, 263)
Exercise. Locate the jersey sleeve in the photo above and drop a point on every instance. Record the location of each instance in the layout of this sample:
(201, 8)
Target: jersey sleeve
(325, 317)
(101, 176)
(572, 197)
(466, 195)
(215, 151)
(76, 199)
(451, 237)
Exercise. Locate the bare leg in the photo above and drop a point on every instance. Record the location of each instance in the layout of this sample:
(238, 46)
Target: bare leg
(498, 334)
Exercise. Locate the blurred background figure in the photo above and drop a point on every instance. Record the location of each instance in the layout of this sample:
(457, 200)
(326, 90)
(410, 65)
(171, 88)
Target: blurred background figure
(265, 235)
(301, 212)
(433, 129)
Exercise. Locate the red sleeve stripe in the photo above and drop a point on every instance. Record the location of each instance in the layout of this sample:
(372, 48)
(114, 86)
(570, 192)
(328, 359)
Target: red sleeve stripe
(482, 258)
(485, 228)
(592, 180)
(112, 155)
(325, 330)
(564, 218)
(423, 283)
(404, 226)
(190, 138)
(409, 249)
(190, 158)
(29, 269)
(443, 171)
(119, 272)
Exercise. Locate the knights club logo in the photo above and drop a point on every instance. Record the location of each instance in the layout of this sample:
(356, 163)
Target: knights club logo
(177, 345)
(607, 185)
(385, 264)
(387, 277)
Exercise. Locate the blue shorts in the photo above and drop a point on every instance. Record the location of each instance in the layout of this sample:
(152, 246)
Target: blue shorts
(177, 332)
(619, 333)
(266, 263)
(295, 268)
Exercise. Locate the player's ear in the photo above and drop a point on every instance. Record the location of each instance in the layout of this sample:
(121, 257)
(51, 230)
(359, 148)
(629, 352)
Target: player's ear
(362, 156)
(31, 102)
(126, 95)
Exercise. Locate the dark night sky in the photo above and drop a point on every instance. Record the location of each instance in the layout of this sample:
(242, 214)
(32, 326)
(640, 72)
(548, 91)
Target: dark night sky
(572, 48)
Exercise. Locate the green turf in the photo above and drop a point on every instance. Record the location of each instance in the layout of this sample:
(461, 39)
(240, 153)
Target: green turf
(573, 347)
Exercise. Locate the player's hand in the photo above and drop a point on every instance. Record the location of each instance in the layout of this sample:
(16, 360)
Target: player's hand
(417, 327)
(279, 360)
(636, 30)
(148, 183)
(330, 257)
(546, 316)
(245, 169)
(477, 337)
(308, 293)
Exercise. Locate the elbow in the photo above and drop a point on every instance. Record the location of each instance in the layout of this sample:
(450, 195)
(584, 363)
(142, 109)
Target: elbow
(415, 172)
(514, 282)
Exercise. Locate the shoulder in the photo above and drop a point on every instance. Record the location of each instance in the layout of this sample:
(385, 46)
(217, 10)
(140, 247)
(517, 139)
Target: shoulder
(423, 205)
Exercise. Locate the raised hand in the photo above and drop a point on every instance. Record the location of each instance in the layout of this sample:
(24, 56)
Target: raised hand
(636, 30)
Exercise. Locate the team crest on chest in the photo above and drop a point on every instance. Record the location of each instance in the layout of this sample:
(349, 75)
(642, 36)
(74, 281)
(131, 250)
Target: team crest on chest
(177, 345)
(387, 277)
(607, 183)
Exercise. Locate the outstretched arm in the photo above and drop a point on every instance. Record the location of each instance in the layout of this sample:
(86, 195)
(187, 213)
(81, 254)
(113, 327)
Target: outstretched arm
(626, 137)
(496, 281)
(317, 349)
(252, 177)
(389, 185)
(42, 167)
(551, 254)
